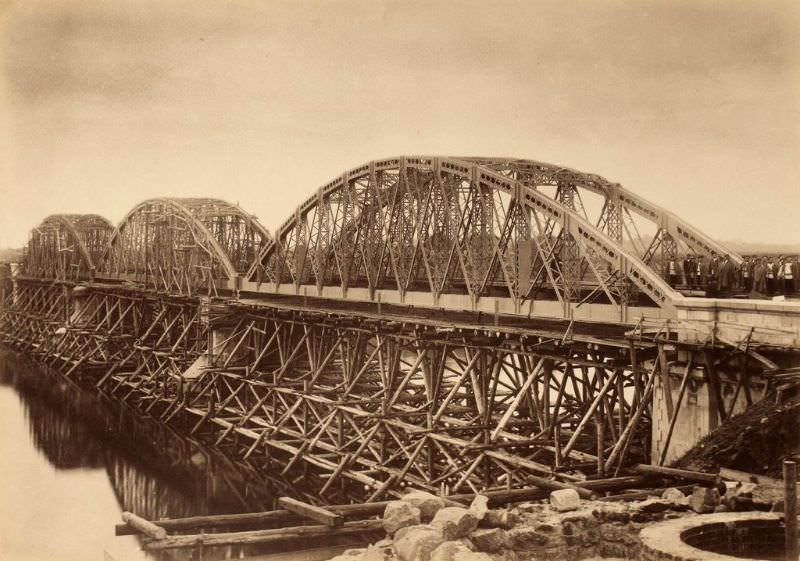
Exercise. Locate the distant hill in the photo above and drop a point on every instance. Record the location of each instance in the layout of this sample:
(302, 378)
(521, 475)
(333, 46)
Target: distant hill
(10, 254)
(738, 246)
(747, 248)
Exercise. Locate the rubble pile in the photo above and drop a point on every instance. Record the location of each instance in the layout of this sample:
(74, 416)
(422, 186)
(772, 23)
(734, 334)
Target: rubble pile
(756, 441)
(423, 527)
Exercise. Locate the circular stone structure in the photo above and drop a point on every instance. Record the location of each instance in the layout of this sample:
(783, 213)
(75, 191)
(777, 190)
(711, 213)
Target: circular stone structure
(729, 536)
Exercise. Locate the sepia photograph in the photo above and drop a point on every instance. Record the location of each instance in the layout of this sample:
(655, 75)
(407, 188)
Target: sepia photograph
(399, 280)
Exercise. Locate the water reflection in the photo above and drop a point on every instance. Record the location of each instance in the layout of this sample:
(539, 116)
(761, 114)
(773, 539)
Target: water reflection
(71, 462)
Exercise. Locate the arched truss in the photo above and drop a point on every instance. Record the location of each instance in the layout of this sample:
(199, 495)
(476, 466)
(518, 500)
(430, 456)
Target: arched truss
(67, 246)
(652, 233)
(184, 246)
(462, 229)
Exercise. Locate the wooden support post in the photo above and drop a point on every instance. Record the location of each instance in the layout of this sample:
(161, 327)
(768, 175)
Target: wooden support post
(330, 519)
(790, 508)
(266, 536)
(599, 421)
(144, 526)
(665, 380)
(589, 414)
(622, 442)
(688, 475)
(674, 416)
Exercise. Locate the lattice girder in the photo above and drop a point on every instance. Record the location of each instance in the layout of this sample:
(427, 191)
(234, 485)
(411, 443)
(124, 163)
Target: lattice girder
(616, 199)
(445, 226)
(66, 247)
(184, 246)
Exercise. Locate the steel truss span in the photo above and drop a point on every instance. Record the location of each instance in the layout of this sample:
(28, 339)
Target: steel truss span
(66, 247)
(454, 232)
(184, 246)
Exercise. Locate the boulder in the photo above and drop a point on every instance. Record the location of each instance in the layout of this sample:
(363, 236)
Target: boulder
(457, 551)
(654, 505)
(455, 522)
(416, 543)
(488, 539)
(530, 508)
(612, 512)
(499, 518)
(745, 489)
(479, 506)
(766, 496)
(427, 503)
(547, 527)
(740, 496)
(399, 514)
(564, 500)
(613, 532)
(674, 495)
(524, 538)
(581, 519)
(704, 500)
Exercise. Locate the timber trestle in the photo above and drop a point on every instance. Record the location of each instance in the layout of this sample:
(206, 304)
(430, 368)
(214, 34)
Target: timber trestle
(352, 405)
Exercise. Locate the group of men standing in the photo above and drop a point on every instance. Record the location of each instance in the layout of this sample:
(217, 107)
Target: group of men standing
(763, 274)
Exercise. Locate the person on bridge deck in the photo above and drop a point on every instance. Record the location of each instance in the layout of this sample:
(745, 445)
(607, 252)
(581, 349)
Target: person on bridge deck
(736, 277)
(672, 271)
(771, 276)
(689, 269)
(760, 275)
(746, 274)
(725, 276)
(787, 274)
(713, 271)
(700, 275)
(795, 272)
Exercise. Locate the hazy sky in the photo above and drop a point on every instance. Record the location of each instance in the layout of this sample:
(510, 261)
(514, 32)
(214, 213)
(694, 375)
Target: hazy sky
(694, 105)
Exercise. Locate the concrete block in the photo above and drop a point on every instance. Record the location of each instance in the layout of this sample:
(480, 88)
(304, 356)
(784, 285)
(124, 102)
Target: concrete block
(564, 500)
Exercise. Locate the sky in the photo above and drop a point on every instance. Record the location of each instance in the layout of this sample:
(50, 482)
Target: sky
(693, 105)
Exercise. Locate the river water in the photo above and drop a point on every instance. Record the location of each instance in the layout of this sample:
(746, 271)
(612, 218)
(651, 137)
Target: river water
(71, 463)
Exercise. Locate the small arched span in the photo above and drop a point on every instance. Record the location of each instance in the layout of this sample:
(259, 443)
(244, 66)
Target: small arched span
(184, 246)
(66, 247)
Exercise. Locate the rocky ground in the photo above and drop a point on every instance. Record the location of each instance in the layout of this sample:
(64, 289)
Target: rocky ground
(423, 527)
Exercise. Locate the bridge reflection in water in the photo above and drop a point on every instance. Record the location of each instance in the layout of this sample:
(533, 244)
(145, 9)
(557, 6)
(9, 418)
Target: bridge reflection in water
(151, 471)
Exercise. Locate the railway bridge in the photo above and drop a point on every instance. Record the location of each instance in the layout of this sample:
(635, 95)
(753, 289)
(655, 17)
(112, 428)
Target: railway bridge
(451, 324)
